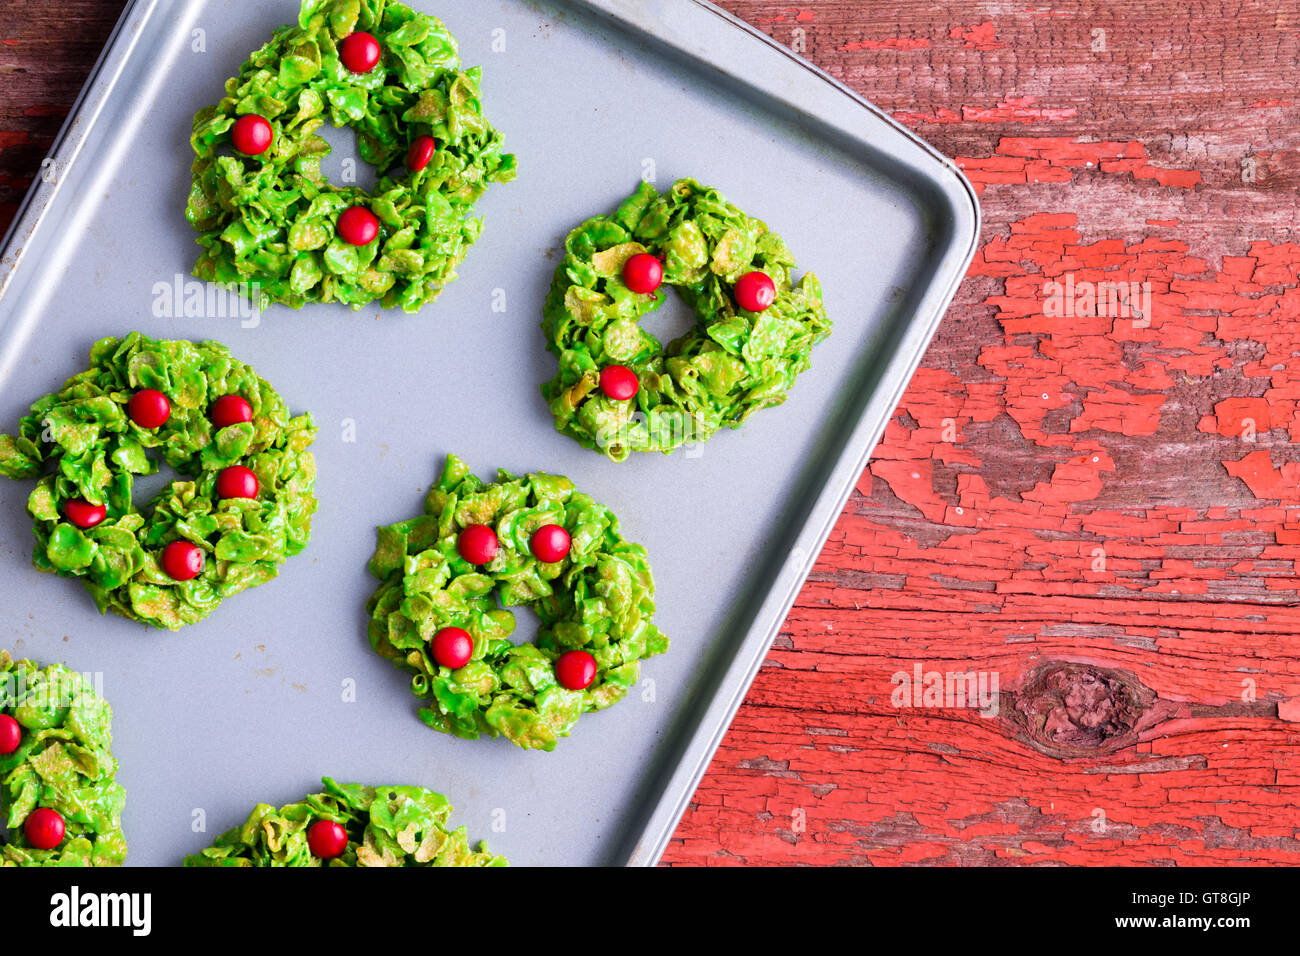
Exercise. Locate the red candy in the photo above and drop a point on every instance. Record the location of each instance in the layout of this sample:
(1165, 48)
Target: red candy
(359, 52)
(44, 828)
(478, 544)
(149, 408)
(326, 839)
(575, 670)
(230, 410)
(421, 153)
(755, 291)
(252, 135)
(83, 514)
(358, 225)
(182, 560)
(550, 543)
(11, 735)
(237, 482)
(643, 273)
(619, 382)
(452, 647)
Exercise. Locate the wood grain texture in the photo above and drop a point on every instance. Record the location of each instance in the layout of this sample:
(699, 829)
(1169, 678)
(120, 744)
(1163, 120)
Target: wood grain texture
(47, 49)
(1098, 508)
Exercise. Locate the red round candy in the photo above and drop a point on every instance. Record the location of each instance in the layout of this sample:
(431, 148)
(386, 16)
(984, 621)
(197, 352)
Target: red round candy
(326, 839)
(237, 482)
(755, 291)
(550, 543)
(452, 647)
(421, 153)
(619, 382)
(478, 544)
(643, 273)
(230, 410)
(83, 514)
(182, 560)
(359, 52)
(252, 135)
(358, 225)
(11, 735)
(44, 828)
(149, 408)
(575, 670)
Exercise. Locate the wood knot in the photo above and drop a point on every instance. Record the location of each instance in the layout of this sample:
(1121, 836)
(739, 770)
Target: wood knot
(1078, 710)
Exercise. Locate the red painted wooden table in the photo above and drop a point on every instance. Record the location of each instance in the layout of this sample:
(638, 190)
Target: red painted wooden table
(1087, 500)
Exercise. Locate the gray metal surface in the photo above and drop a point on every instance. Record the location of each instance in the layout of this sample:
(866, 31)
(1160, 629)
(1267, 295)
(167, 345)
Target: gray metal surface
(250, 705)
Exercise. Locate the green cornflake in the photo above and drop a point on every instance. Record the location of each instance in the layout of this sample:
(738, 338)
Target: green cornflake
(62, 763)
(730, 365)
(270, 220)
(386, 826)
(600, 598)
(95, 451)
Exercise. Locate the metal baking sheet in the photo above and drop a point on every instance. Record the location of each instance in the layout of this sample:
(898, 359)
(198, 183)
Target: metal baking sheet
(250, 705)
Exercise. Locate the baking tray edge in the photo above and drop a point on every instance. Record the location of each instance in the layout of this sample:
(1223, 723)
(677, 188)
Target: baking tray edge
(67, 144)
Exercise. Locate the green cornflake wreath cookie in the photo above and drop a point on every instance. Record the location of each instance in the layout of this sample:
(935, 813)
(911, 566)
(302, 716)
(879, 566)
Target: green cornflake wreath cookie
(618, 390)
(59, 801)
(264, 213)
(349, 825)
(243, 506)
(449, 575)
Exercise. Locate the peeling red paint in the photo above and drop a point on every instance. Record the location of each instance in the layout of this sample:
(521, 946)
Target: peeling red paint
(1237, 417)
(978, 37)
(1028, 159)
(1020, 109)
(1012, 109)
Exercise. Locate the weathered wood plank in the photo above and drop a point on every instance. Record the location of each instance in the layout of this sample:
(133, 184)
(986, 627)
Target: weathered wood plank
(1091, 489)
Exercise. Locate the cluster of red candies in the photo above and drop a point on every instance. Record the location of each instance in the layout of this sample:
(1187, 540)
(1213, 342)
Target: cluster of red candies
(643, 273)
(252, 135)
(43, 827)
(150, 408)
(453, 647)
